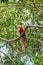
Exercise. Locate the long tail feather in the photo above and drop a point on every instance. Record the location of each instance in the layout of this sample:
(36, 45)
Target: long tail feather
(24, 46)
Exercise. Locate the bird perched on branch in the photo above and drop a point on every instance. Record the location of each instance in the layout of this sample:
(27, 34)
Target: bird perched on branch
(21, 30)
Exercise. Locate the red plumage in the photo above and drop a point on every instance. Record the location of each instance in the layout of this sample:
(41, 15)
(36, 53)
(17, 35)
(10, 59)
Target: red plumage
(21, 29)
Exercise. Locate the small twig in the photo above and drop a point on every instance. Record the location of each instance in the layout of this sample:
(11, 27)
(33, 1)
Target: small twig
(37, 40)
(32, 48)
(20, 4)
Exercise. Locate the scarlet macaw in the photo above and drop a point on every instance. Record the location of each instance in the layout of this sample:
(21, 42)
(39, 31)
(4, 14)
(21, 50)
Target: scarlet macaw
(21, 29)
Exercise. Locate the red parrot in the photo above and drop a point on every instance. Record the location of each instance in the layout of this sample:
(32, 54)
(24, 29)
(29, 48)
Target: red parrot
(21, 29)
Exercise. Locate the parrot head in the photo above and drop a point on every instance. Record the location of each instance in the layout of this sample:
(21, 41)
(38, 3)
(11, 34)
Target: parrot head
(20, 28)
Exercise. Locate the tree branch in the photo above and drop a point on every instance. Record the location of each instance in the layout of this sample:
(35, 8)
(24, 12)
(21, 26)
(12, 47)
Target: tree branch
(37, 40)
(37, 9)
(20, 4)
(8, 57)
(1, 62)
(21, 34)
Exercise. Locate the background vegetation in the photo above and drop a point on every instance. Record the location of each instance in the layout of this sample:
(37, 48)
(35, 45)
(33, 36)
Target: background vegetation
(26, 13)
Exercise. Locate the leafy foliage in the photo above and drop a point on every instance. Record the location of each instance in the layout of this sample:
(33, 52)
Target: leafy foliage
(21, 12)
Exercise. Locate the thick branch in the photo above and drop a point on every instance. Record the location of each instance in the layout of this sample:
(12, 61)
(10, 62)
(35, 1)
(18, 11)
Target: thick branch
(21, 34)
(8, 57)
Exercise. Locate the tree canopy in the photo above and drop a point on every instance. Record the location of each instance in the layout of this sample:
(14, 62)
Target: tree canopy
(29, 14)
